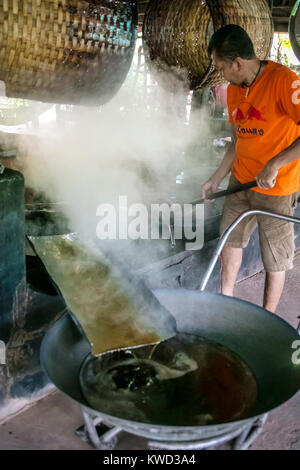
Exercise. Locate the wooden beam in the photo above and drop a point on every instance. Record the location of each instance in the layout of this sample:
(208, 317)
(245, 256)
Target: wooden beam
(281, 28)
(283, 19)
(281, 12)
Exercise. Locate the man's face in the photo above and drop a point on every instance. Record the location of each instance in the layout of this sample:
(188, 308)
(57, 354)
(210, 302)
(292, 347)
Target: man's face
(231, 71)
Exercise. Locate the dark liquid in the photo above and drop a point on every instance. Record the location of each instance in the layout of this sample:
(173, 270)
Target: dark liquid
(188, 381)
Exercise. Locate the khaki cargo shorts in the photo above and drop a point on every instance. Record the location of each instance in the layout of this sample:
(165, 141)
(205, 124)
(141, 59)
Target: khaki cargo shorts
(276, 237)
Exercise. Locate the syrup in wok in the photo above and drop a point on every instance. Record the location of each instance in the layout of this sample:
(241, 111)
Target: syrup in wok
(183, 381)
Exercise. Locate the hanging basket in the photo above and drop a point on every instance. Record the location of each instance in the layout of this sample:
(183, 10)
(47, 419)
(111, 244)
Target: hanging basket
(66, 51)
(176, 36)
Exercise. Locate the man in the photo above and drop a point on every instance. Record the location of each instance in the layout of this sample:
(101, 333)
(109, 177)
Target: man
(264, 110)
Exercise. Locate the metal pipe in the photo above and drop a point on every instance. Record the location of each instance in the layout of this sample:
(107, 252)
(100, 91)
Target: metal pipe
(199, 445)
(92, 433)
(246, 439)
(107, 437)
(172, 236)
(107, 441)
(241, 439)
(227, 232)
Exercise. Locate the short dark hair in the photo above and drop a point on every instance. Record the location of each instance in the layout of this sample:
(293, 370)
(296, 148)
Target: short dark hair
(231, 42)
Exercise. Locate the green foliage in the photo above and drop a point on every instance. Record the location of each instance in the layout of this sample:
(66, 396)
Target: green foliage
(284, 52)
(13, 103)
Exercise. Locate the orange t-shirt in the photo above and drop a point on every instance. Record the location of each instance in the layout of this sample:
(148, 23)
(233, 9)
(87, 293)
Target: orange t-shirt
(268, 122)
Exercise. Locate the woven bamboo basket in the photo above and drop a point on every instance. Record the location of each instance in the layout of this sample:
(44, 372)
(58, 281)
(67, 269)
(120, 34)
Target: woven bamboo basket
(66, 51)
(176, 36)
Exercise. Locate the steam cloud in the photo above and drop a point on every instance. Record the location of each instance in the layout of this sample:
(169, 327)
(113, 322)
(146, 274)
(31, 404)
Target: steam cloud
(129, 147)
(120, 150)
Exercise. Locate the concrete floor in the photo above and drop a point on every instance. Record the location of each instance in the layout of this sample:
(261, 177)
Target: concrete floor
(51, 422)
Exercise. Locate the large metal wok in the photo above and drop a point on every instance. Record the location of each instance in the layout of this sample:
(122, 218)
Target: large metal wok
(261, 338)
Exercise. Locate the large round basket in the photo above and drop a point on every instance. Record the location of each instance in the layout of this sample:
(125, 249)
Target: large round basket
(66, 51)
(176, 36)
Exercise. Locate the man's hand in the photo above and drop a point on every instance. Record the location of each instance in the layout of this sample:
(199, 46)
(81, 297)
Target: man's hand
(208, 188)
(267, 177)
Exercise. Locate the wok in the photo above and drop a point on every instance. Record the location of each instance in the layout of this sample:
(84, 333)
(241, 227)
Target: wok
(262, 339)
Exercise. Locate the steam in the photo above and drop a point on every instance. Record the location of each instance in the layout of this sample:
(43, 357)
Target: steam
(129, 147)
(120, 150)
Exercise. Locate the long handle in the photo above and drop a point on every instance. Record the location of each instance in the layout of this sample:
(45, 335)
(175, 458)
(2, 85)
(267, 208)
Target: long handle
(234, 189)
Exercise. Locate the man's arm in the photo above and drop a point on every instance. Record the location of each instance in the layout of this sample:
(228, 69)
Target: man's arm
(211, 186)
(267, 177)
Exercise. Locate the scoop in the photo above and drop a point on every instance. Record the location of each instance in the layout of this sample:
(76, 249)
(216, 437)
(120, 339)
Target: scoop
(113, 308)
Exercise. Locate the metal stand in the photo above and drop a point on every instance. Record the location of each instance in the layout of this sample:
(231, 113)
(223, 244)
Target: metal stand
(103, 437)
(240, 439)
(99, 438)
